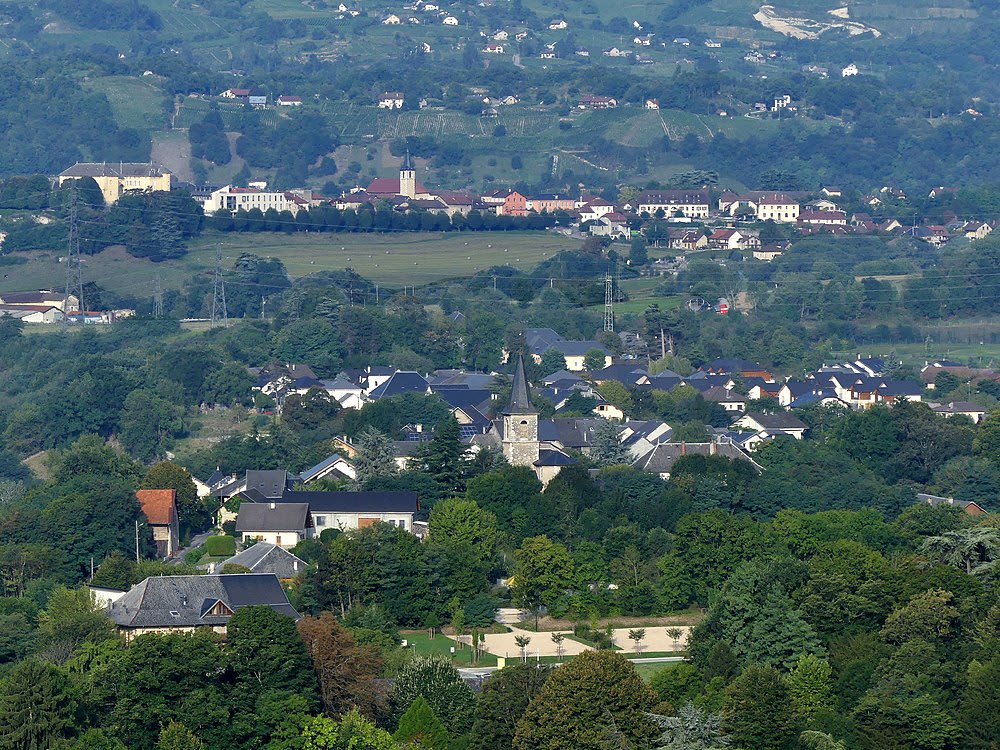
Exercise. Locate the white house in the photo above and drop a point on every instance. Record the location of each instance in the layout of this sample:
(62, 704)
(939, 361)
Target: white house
(232, 199)
(391, 20)
(450, 21)
(391, 100)
(850, 70)
(558, 25)
(289, 101)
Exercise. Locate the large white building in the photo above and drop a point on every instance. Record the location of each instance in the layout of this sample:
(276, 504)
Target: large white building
(232, 199)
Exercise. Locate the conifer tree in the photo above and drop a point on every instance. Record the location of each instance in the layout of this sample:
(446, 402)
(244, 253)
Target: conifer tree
(419, 726)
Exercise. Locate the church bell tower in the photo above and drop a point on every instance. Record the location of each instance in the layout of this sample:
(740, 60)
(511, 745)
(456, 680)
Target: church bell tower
(520, 423)
(407, 178)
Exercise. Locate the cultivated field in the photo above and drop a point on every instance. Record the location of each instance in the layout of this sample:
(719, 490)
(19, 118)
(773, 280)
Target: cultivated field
(389, 259)
(392, 259)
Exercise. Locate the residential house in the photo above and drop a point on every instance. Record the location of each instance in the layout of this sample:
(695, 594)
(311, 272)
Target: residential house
(686, 239)
(713, 44)
(763, 206)
(348, 394)
(661, 458)
(726, 398)
(283, 523)
(734, 239)
(832, 191)
(289, 101)
(613, 225)
(691, 204)
(615, 52)
(743, 367)
(391, 20)
(652, 104)
(450, 21)
(971, 507)
(598, 102)
(558, 25)
(976, 230)
(823, 218)
(356, 510)
(399, 383)
(767, 253)
(266, 558)
(767, 425)
(257, 99)
(186, 604)
(160, 509)
(850, 70)
(116, 180)
(501, 35)
(391, 100)
(973, 411)
(238, 94)
(335, 466)
(493, 49)
(595, 209)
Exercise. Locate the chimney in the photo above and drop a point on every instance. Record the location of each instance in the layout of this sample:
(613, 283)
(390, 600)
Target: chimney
(272, 505)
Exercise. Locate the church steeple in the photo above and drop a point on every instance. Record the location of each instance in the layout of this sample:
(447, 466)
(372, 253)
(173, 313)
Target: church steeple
(520, 423)
(520, 398)
(407, 177)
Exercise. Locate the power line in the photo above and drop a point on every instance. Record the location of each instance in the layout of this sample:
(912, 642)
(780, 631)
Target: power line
(609, 303)
(74, 271)
(219, 293)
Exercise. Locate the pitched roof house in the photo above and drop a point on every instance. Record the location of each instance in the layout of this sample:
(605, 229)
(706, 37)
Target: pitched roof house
(184, 604)
(284, 524)
(264, 557)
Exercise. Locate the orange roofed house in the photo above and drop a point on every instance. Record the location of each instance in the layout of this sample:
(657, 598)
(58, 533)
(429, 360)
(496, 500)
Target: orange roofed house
(160, 509)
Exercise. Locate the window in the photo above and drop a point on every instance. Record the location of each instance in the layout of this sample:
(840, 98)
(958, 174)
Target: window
(320, 520)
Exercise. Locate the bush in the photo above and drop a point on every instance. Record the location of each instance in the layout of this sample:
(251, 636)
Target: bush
(220, 546)
(194, 556)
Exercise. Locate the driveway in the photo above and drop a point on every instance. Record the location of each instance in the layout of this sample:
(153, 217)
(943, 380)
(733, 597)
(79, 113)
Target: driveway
(196, 541)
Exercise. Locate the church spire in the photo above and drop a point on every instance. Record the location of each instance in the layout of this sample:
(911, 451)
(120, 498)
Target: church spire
(407, 163)
(520, 399)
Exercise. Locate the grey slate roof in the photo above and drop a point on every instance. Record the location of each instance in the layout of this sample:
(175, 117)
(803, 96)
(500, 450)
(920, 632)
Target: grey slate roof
(355, 502)
(185, 601)
(113, 169)
(269, 483)
(520, 400)
(264, 557)
(661, 459)
(777, 421)
(399, 383)
(273, 516)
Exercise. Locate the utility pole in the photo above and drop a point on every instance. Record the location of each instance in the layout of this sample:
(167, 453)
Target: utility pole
(74, 272)
(609, 302)
(137, 540)
(157, 296)
(219, 312)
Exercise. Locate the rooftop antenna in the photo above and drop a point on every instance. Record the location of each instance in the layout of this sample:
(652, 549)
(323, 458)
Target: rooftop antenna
(219, 292)
(74, 272)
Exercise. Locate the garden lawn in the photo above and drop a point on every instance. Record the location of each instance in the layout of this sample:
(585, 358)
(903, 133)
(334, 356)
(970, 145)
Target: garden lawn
(440, 645)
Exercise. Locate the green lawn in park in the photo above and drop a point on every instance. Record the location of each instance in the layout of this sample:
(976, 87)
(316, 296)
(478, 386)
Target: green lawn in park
(440, 645)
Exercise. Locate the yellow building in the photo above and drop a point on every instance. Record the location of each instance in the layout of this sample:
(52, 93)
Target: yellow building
(115, 180)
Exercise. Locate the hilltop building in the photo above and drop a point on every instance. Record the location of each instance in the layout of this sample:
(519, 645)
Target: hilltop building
(115, 180)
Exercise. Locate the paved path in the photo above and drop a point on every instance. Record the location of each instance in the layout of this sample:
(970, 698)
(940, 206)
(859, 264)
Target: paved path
(481, 673)
(196, 541)
(541, 644)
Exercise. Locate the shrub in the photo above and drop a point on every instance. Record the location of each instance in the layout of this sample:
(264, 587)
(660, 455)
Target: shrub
(220, 546)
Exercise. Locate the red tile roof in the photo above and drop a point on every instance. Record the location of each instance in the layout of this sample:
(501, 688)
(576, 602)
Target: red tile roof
(159, 506)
